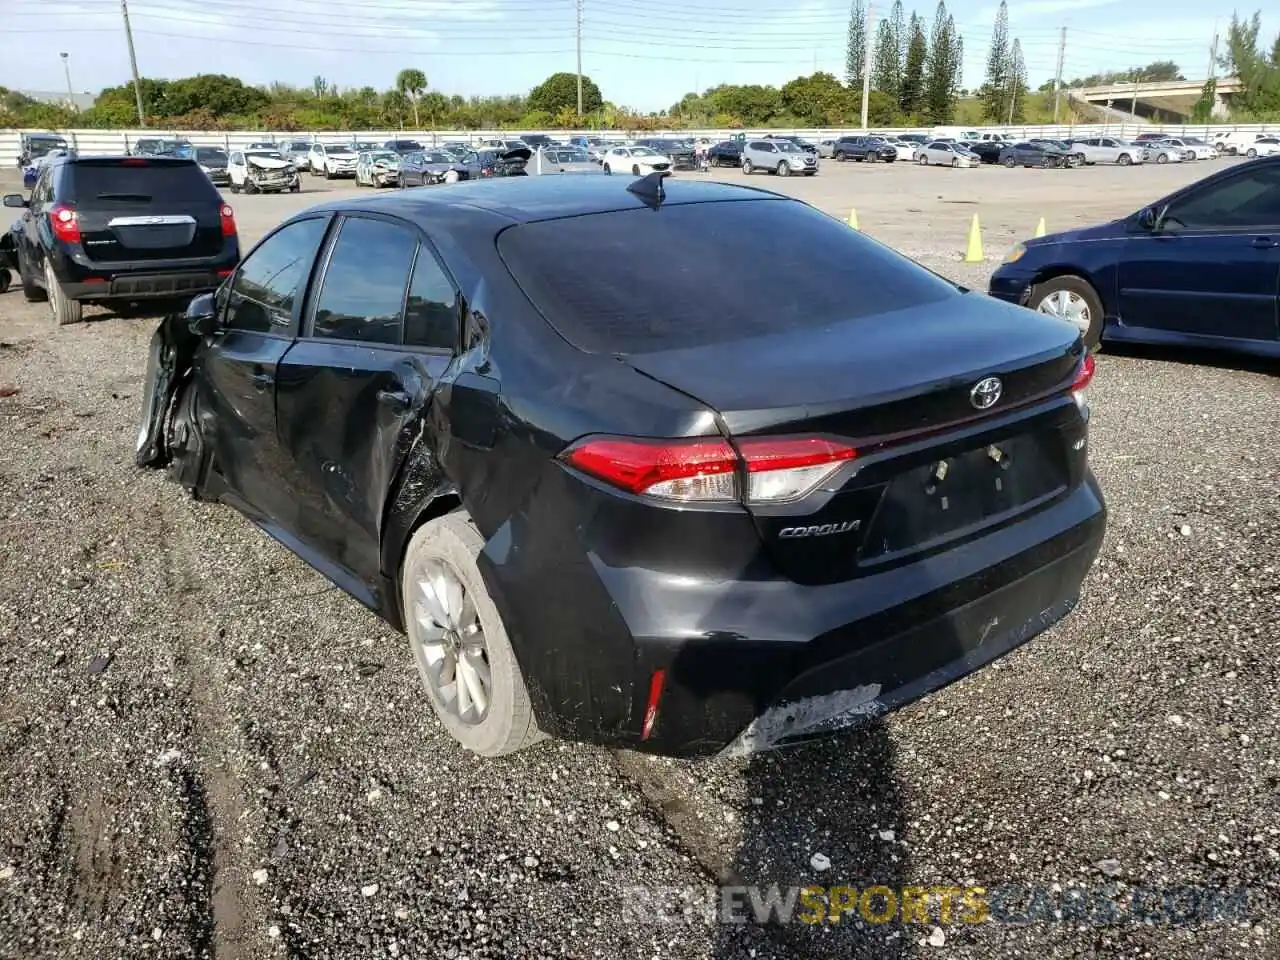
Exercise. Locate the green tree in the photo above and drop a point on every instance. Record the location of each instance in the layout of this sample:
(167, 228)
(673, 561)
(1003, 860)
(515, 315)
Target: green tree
(560, 90)
(996, 90)
(411, 83)
(942, 67)
(1017, 86)
(910, 98)
(1258, 73)
(214, 92)
(819, 100)
(855, 55)
(886, 74)
(1202, 112)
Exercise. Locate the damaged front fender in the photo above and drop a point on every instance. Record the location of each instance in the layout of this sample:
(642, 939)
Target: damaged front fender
(173, 349)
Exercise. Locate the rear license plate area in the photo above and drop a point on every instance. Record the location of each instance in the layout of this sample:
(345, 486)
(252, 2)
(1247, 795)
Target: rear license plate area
(948, 497)
(155, 236)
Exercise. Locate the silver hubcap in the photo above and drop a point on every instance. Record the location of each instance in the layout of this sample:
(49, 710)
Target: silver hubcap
(449, 642)
(1069, 306)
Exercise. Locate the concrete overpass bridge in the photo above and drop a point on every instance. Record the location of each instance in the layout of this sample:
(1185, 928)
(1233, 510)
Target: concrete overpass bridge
(1164, 100)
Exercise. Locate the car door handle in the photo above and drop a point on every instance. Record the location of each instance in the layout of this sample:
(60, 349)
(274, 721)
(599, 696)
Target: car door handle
(1264, 243)
(397, 400)
(262, 380)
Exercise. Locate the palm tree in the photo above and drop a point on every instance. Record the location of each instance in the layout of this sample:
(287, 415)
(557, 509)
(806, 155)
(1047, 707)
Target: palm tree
(412, 83)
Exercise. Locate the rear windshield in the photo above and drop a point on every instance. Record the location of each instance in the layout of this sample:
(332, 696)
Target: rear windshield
(134, 180)
(640, 281)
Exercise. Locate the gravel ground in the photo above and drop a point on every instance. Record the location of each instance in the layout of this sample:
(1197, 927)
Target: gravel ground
(210, 752)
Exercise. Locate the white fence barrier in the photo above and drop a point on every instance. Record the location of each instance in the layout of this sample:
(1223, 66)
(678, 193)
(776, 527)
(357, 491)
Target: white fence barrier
(119, 141)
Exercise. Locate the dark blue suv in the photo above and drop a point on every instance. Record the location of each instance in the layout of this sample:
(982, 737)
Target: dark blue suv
(1200, 267)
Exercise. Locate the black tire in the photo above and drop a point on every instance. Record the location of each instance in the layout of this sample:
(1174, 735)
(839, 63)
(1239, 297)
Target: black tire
(1124, 160)
(1251, 153)
(1009, 162)
(451, 544)
(783, 169)
(872, 157)
(6, 278)
(32, 291)
(328, 174)
(234, 188)
(635, 169)
(841, 156)
(747, 166)
(65, 310)
(608, 169)
(1076, 285)
(1162, 158)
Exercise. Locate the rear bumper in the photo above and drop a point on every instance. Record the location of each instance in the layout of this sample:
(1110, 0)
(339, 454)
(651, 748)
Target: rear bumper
(753, 662)
(147, 286)
(83, 279)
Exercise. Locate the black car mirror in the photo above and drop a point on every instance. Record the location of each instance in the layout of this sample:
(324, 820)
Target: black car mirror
(202, 315)
(16, 200)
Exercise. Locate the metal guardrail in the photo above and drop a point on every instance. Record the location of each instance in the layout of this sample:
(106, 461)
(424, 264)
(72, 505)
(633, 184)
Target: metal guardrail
(119, 141)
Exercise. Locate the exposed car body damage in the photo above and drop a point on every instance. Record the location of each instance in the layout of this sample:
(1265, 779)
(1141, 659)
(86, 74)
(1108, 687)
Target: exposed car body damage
(635, 620)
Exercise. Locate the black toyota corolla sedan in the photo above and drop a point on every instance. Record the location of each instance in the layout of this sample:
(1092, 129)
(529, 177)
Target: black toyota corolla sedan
(625, 474)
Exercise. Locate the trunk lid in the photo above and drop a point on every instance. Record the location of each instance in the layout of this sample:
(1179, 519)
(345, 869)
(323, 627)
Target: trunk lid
(145, 209)
(855, 380)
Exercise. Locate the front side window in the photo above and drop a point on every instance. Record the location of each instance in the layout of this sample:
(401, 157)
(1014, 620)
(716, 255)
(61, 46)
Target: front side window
(1251, 199)
(271, 279)
(362, 296)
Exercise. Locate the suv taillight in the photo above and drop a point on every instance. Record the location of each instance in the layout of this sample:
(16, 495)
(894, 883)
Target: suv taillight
(65, 223)
(228, 221)
(709, 470)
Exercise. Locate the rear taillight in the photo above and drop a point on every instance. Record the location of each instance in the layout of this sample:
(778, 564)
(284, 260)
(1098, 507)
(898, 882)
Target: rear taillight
(65, 223)
(704, 470)
(228, 221)
(135, 162)
(1084, 376)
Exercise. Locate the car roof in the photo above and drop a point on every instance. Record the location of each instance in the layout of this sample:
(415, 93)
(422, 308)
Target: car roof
(529, 199)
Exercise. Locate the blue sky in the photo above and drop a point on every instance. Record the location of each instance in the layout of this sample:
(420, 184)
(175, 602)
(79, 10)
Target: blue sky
(642, 54)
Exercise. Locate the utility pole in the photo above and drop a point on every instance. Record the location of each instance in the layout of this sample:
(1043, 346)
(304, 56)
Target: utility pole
(1057, 80)
(1213, 54)
(579, 57)
(66, 67)
(133, 63)
(866, 70)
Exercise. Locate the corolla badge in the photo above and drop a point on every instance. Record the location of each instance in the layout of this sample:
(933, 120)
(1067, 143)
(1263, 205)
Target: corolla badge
(986, 393)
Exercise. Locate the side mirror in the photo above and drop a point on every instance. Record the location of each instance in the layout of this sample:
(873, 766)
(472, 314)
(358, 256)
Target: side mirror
(16, 200)
(1149, 218)
(202, 315)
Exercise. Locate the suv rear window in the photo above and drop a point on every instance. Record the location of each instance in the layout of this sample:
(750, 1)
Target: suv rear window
(688, 275)
(142, 179)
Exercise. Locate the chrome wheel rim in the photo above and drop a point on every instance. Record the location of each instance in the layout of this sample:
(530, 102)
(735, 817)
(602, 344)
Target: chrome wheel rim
(449, 642)
(1069, 306)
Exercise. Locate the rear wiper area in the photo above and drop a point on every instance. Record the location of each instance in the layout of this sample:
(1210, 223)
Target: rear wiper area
(140, 197)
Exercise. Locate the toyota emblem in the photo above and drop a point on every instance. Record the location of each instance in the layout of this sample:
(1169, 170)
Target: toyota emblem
(986, 393)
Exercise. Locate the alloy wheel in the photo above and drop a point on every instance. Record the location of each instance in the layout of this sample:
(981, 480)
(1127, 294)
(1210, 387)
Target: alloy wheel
(449, 642)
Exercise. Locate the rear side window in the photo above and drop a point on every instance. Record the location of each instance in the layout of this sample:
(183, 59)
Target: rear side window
(362, 297)
(140, 180)
(640, 281)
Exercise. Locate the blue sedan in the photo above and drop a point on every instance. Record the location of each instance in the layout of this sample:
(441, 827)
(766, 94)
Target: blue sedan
(1200, 267)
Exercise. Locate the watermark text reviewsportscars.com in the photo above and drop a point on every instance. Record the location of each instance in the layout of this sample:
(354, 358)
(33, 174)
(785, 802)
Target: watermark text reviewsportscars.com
(1102, 905)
